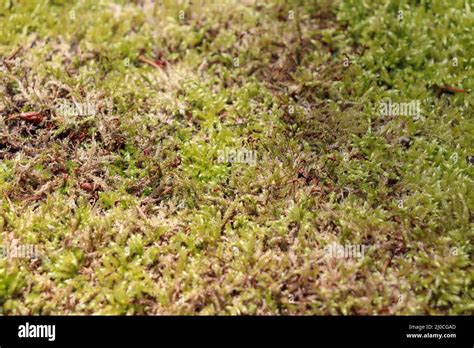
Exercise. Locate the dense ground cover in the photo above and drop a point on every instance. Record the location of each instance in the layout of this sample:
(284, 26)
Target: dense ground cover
(145, 202)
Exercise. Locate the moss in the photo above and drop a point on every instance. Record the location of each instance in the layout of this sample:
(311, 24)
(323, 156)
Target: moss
(135, 211)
